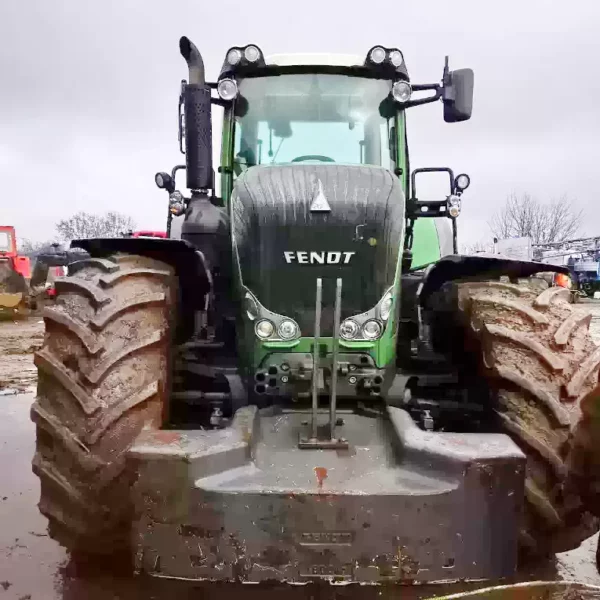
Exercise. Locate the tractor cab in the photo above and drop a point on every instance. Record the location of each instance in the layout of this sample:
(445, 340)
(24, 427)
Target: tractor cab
(8, 242)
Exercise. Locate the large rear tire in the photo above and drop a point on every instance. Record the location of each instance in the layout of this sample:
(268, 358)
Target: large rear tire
(541, 363)
(102, 379)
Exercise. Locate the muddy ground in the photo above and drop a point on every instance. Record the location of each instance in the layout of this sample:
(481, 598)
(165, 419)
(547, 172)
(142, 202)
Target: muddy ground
(18, 341)
(33, 567)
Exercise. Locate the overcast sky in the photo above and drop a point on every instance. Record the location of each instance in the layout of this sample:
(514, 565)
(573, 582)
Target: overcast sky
(89, 94)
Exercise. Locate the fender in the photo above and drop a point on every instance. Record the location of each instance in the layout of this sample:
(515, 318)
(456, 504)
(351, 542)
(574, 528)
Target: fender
(483, 266)
(195, 280)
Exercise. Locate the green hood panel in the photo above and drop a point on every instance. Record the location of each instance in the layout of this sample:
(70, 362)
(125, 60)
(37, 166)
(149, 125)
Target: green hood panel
(432, 240)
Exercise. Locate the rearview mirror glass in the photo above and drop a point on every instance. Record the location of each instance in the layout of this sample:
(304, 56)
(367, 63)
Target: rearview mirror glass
(458, 96)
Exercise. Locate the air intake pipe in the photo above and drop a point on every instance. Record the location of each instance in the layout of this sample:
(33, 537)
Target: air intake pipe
(197, 120)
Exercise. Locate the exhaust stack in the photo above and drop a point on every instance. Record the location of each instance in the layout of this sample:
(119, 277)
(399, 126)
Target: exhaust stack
(197, 118)
(193, 58)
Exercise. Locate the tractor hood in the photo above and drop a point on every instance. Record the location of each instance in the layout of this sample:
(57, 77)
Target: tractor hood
(293, 224)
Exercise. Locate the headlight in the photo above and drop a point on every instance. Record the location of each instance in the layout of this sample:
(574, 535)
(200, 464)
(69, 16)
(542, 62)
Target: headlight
(377, 55)
(234, 56)
(402, 91)
(396, 58)
(227, 89)
(372, 330)
(251, 307)
(287, 329)
(386, 306)
(349, 329)
(264, 329)
(252, 53)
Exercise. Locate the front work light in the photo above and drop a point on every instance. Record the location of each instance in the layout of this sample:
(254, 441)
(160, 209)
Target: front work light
(377, 55)
(396, 58)
(402, 91)
(462, 182)
(234, 56)
(227, 89)
(162, 180)
(252, 53)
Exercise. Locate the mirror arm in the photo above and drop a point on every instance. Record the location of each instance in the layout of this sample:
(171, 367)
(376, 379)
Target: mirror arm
(423, 87)
(175, 169)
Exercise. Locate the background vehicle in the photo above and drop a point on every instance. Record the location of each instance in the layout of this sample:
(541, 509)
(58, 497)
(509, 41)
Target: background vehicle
(136, 234)
(308, 381)
(15, 271)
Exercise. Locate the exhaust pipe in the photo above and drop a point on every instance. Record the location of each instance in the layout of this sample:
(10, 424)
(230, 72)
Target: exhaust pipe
(197, 118)
(193, 58)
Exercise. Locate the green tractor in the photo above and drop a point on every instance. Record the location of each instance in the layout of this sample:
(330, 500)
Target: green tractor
(305, 380)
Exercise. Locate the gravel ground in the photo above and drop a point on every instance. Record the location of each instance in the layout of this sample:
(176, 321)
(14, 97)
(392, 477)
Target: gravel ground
(33, 567)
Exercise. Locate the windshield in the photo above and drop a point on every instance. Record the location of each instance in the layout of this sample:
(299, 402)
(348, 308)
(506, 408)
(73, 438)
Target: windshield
(312, 117)
(4, 241)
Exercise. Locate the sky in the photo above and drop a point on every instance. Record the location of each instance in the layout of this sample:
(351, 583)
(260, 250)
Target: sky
(89, 91)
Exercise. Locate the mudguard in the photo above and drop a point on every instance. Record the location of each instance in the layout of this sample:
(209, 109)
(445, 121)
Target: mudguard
(485, 266)
(188, 262)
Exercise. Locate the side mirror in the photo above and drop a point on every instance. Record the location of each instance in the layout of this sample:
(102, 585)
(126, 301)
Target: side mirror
(458, 95)
(449, 206)
(443, 170)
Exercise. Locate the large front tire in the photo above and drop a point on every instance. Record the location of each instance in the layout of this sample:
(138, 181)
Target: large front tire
(102, 379)
(541, 362)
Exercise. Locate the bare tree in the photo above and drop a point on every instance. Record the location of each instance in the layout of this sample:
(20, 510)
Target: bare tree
(524, 216)
(32, 248)
(85, 225)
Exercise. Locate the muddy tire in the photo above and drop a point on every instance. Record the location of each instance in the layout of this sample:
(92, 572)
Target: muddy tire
(542, 364)
(102, 379)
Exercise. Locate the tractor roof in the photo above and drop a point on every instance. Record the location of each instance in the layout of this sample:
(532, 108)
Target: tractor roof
(249, 61)
(315, 59)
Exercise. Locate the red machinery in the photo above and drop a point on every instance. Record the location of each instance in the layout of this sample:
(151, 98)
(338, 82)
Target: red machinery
(158, 234)
(15, 270)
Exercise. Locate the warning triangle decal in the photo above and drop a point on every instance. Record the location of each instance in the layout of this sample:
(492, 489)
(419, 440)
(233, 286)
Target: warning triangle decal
(319, 203)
